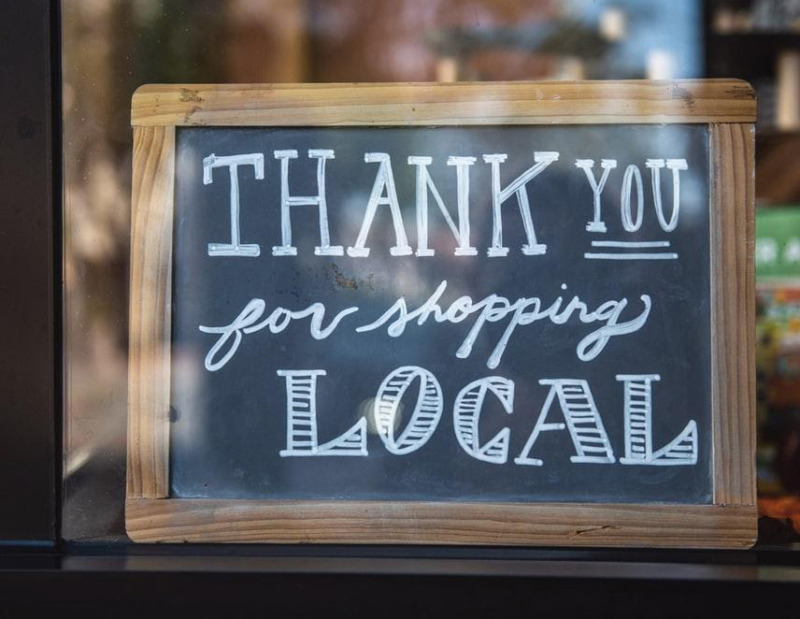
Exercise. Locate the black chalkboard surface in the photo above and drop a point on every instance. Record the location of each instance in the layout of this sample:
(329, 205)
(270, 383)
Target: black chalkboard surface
(537, 344)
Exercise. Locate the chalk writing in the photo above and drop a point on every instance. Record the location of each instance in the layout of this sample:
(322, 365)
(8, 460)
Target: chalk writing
(523, 311)
(301, 427)
(428, 203)
(235, 247)
(582, 420)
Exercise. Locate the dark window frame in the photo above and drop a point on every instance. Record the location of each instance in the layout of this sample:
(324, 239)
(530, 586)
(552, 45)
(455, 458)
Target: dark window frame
(30, 276)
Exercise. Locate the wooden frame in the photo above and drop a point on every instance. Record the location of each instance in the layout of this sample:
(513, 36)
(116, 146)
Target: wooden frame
(727, 106)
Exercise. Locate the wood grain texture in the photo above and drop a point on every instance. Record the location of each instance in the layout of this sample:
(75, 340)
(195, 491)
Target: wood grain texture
(490, 103)
(150, 302)
(366, 522)
(732, 148)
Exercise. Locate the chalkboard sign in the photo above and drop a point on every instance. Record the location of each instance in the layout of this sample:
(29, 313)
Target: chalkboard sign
(354, 320)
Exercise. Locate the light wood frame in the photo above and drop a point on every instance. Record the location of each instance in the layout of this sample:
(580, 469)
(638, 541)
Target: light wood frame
(728, 107)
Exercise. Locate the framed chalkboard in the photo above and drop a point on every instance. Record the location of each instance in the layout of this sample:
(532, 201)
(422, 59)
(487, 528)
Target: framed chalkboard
(467, 313)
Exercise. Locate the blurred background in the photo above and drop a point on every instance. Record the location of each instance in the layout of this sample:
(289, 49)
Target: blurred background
(110, 47)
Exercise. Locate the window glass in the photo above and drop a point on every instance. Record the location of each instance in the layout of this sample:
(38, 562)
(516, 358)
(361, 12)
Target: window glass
(111, 47)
